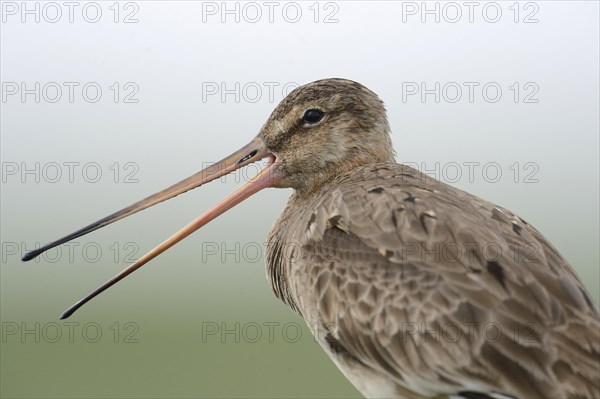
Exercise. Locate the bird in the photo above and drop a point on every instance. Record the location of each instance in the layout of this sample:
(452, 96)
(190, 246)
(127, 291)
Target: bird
(414, 288)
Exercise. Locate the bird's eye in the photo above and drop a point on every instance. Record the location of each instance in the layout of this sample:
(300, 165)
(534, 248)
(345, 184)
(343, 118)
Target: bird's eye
(313, 116)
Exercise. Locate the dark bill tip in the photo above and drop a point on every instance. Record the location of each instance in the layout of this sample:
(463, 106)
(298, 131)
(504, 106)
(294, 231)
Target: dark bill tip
(68, 313)
(31, 254)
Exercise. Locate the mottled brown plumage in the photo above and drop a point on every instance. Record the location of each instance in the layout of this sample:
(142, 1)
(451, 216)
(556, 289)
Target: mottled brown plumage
(413, 287)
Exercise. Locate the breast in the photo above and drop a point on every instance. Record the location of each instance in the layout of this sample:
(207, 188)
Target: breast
(285, 244)
(295, 244)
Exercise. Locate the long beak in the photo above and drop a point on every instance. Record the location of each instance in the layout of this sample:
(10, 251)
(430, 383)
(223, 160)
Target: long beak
(254, 151)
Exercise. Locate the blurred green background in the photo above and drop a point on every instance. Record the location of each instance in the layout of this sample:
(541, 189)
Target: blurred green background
(172, 328)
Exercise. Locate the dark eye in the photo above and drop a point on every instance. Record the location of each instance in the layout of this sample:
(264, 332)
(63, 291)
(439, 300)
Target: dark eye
(313, 116)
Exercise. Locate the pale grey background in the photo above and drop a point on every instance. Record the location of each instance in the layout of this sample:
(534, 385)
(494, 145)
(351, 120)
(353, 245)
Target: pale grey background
(171, 54)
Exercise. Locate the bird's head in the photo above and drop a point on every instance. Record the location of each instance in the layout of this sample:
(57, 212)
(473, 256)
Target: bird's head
(326, 128)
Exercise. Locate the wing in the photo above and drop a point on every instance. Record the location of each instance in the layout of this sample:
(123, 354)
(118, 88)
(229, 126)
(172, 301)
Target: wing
(445, 293)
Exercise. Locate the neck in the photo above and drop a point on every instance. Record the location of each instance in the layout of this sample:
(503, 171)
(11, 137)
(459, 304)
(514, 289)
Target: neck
(309, 183)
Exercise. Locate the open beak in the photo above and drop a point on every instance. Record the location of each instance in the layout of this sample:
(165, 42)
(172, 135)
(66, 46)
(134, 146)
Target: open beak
(254, 151)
